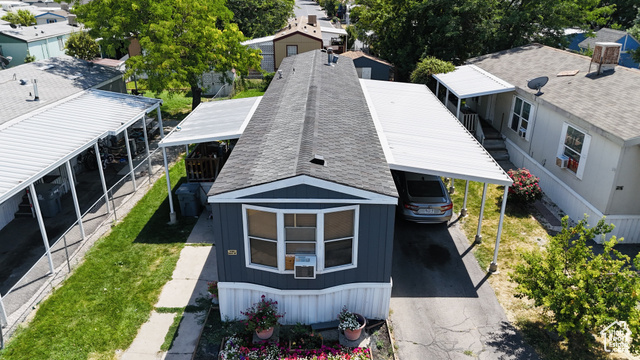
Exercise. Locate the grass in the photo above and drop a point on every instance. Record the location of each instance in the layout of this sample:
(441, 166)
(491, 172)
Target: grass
(248, 93)
(101, 306)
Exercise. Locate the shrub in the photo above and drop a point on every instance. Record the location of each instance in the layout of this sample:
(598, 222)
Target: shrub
(348, 320)
(525, 188)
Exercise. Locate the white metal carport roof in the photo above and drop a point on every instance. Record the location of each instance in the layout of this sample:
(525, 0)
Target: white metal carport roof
(469, 81)
(215, 120)
(418, 134)
(35, 144)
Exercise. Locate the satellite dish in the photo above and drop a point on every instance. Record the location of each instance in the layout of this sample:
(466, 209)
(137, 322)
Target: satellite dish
(538, 83)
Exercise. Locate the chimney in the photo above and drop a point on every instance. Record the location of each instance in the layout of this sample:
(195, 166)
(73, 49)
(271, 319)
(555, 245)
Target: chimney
(313, 20)
(35, 90)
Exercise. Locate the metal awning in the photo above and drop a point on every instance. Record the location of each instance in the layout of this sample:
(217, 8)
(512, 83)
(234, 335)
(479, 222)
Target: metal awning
(214, 120)
(331, 30)
(469, 81)
(37, 143)
(418, 134)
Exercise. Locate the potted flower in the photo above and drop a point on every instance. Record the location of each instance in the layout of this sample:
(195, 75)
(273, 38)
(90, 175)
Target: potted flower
(351, 323)
(262, 317)
(212, 288)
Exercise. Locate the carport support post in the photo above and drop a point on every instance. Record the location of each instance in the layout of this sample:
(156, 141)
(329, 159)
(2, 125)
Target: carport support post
(160, 123)
(146, 144)
(493, 267)
(438, 89)
(463, 211)
(101, 171)
(458, 109)
(484, 197)
(133, 176)
(172, 213)
(74, 195)
(43, 231)
(3, 315)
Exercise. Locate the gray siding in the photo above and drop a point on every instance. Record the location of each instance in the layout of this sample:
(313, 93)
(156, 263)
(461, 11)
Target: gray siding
(301, 192)
(379, 71)
(375, 247)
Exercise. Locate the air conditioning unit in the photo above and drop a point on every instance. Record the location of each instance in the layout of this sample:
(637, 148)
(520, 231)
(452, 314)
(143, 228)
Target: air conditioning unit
(72, 20)
(305, 267)
(561, 161)
(522, 132)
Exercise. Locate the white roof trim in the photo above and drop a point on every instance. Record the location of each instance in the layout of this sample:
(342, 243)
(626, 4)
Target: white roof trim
(215, 120)
(418, 134)
(330, 30)
(470, 81)
(366, 197)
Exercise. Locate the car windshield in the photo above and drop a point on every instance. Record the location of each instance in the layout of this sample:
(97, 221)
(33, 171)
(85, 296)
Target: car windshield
(424, 188)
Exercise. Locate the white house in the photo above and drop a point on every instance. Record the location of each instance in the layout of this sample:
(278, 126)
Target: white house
(41, 41)
(579, 134)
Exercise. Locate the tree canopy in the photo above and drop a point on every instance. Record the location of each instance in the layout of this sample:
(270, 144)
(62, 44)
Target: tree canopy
(258, 18)
(427, 67)
(455, 30)
(81, 45)
(21, 17)
(180, 39)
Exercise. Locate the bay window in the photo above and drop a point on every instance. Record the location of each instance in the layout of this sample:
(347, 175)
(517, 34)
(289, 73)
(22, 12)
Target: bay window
(274, 236)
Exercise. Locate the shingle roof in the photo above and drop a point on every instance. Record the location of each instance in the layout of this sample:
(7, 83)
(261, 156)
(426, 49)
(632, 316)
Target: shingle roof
(313, 109)
(299, 25)
(39, 32)
(607, 103)
(602, 35)
(54, 83)
(358, 54)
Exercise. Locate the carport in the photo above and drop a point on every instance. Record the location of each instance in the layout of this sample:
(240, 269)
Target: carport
(37, 143)
(210, 121)
(416, 130)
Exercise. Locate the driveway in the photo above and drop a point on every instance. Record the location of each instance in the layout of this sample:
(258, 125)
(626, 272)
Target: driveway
(442, 305)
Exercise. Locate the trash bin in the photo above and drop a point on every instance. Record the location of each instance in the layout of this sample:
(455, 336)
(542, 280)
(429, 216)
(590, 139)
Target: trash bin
(189, 199)
(49, 198)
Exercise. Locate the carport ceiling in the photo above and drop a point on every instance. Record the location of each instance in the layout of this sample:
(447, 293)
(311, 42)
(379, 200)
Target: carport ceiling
(418, 134)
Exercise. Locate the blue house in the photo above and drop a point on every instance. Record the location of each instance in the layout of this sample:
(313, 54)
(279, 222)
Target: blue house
(580, 42)
(370, 67)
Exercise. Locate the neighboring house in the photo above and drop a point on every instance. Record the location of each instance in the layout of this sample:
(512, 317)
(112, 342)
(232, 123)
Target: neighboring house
(51, 16)
(627, 41)
(41, 41)
(216, 85)
(370, 67)
(581, 136)
(299, 36)
(265, 45)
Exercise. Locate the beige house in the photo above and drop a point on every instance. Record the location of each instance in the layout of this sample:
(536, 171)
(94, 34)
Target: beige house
(301, 35)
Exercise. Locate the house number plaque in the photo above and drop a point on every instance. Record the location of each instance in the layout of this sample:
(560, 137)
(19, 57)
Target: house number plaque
(232, 252)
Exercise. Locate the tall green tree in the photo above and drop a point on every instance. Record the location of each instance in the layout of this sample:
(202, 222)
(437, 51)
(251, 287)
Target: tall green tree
(80, 45)
(581, 291)
(180, 39)
(21, 17)
(258, 18)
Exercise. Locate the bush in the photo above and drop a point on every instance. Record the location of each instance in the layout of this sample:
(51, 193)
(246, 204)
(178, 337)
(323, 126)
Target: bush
(525, 188)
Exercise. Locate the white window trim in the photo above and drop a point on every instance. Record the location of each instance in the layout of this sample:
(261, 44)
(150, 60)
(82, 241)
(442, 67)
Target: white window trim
(532, 113)
(585, 148)
(281, 246)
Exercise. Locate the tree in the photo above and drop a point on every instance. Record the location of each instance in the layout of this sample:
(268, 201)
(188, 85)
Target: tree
(180, 39)
(21, 17)
(430, 66)
(581, 291)
(258, 18)
(81, 45)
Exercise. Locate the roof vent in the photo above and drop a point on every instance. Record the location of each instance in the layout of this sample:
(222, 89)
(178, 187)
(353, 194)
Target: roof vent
(318, 160)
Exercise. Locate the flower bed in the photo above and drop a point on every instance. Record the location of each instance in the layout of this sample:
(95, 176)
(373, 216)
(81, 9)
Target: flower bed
(236, 348)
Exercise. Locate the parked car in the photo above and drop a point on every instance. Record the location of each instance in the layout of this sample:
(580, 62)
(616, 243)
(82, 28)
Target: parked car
(423, 198)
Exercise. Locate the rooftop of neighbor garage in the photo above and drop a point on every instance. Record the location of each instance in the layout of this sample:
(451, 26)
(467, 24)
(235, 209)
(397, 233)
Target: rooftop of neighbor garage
(312, 110)
(57, 78)
(35, 145)
(469, 81)
(419, 134)
(214, 120)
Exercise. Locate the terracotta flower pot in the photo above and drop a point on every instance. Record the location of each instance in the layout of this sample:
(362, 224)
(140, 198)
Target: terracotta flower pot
(264, 334)
(353, 335)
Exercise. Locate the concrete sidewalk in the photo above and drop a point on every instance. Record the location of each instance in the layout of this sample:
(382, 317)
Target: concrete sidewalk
(196, 267)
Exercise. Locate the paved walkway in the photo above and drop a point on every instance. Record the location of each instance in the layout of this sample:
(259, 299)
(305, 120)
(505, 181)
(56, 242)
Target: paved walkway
(194, 269)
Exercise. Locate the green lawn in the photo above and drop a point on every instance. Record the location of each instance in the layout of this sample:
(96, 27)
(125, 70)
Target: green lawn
(248, 93)
(101, 306)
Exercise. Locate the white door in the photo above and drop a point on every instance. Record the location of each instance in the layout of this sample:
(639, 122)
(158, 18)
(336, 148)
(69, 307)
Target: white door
(366, 73)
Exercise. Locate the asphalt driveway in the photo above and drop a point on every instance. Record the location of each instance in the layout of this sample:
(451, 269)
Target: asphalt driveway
(442, 306)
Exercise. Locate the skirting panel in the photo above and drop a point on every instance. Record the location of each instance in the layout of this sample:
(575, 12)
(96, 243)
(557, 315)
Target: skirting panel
(574, 205)
(307, 306)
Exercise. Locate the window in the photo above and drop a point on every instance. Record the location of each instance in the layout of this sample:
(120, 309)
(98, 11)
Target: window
(521, 117)
(274, 236)
(574, 144)
(292, 50)
(51, 21)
